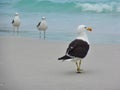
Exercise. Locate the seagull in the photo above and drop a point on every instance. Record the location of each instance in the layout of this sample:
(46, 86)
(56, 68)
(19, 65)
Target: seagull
(16, 22)
(78, 48)
(42, 26)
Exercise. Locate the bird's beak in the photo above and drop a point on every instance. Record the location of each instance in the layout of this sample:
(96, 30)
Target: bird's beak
(89, 29)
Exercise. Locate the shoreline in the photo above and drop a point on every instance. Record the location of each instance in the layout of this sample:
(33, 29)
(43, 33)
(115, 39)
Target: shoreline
(94, 38)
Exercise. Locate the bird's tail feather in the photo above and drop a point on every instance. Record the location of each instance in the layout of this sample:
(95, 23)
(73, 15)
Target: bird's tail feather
(64, 57)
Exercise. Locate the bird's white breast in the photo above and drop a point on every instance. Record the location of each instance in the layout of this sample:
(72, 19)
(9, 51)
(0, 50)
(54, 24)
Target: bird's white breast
(83, 37)
(43, 25)
(16, 21)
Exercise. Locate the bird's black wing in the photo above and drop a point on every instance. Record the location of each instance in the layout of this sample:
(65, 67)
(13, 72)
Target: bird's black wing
(38, 24)
(71, 46)
(78, 48)
(12, 21)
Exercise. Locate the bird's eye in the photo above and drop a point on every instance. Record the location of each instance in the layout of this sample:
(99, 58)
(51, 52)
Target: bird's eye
(85, 27)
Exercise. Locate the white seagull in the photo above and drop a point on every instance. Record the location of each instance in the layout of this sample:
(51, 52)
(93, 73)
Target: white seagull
(78, 48)
(42, 26)
(16, 22)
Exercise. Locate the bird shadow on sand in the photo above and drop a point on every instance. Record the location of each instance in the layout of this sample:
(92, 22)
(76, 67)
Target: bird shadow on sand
(83, 72)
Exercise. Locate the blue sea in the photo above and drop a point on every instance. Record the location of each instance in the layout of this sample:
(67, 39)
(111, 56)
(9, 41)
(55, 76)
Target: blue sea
(63, 18)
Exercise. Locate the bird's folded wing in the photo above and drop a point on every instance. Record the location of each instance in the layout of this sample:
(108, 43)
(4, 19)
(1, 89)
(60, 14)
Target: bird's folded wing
(71, 46)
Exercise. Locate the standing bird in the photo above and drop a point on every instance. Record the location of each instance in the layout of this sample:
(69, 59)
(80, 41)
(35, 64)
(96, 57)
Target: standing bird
(78, 48)
(42, 26)
(16, 22)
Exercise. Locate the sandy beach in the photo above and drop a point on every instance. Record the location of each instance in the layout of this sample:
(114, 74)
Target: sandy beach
(31, 64)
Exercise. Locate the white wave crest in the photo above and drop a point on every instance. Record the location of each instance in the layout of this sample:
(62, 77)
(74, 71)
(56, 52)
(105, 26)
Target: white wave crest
(96, 7)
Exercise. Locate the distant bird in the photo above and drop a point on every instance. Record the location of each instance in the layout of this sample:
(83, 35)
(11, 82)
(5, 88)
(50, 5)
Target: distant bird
(16, 22)
(42, 26)
(78, 48)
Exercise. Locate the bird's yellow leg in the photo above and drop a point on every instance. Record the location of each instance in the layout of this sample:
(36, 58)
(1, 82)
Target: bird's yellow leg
(78, 69)
(78, 64)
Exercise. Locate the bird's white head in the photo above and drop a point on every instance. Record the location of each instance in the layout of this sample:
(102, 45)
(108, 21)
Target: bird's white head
(81, 32)
(16, 14)
(43, 18)
(82, 28)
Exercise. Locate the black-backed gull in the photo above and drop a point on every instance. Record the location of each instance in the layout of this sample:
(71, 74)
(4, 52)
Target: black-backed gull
(78, 48)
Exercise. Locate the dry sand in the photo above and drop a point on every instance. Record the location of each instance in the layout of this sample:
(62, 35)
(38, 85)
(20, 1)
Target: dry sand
(30, 64)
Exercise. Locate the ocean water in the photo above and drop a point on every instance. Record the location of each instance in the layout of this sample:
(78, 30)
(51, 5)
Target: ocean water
(63, 18)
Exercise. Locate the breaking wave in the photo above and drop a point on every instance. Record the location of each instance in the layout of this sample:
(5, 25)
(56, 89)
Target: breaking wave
(65, 6)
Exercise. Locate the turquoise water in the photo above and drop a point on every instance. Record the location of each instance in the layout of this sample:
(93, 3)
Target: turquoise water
(63, 17)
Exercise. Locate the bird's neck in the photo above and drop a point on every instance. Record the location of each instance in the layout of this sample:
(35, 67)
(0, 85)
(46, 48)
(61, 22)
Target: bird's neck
(17, 17)
(43, 20)
(83, 36)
